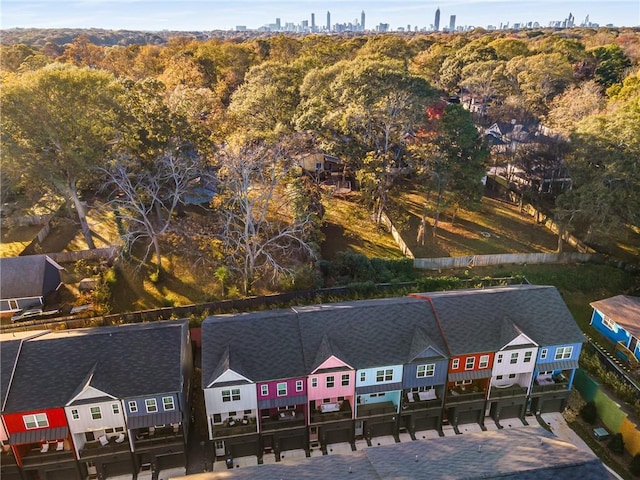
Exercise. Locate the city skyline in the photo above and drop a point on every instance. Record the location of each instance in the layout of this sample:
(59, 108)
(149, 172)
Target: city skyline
(203, 15)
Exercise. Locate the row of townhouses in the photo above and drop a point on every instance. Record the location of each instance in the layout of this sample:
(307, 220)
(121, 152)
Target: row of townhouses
(95, 403)
(308, 377)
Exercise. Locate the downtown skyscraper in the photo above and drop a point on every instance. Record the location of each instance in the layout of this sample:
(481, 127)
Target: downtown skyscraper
(436, 21)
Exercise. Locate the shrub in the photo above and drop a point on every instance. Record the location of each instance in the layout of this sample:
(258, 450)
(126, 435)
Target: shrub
(634, 465)
(616, 444)
(589, 412)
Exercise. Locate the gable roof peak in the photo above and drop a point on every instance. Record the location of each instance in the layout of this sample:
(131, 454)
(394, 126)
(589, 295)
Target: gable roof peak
(326, 349)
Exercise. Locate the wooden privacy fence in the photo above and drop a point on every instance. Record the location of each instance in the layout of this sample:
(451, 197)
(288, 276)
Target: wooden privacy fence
(396, 236)
(499, 259)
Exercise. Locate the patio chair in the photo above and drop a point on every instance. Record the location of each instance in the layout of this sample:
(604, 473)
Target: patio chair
(120, 438)
(44, 448)
(60, 446)
(103, 440)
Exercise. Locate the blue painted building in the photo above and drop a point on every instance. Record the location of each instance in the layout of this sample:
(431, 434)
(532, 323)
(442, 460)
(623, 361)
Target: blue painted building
(618, 319)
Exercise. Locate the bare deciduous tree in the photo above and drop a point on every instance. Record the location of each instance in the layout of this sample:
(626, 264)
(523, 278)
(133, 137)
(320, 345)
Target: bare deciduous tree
(145, 199)
(258, 233)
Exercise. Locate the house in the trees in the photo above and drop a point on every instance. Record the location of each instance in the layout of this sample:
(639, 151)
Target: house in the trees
(254, 384)
(75, 422)
(10, 346)
(26, 281)
(618, 319)
(321, 165)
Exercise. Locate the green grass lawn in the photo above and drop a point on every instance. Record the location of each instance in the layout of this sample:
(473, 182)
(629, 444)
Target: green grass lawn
(496, 227)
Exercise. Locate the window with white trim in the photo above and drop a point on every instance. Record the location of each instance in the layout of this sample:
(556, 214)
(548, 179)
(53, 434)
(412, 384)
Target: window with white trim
(512, 376)
(330, 381)
(314, 382)
(74, 414)
(363, 376)
(514, 358)
(96, 413)
(167, 404)
(264, 390)
(282, 389)
(233, 394)
(37, 420)
(484, 361)
(499, 377)
(384, 375)
(464, 382)
(455, 363)
(115, 408)
(543, 353)
(427, 370)
(527, 356)
(151, 405)
(562, 353)
(299, 386)
(607, 322)
(345, 380)
(133, 406)
(470, 363)
(499, 360)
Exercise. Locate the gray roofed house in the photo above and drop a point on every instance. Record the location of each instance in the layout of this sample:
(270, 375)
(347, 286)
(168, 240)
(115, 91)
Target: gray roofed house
(123, 361)
(517, 453)
(369, 333)
(26, 281)
(474, 320)
(259, 346)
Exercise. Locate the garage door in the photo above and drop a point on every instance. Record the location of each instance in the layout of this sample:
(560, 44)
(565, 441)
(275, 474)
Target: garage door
(428, 423)
(552, 405)
(337, 436)
(63, 474)
(292, 443)
(380, 429)
(471, 416)
(511, 411)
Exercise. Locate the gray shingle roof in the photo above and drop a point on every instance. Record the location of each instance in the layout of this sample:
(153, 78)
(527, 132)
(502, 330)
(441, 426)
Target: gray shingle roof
(369, 333)
(525, 453)
(290, 343)
(260, 346)
(473, 320)
(123, 361)
(9, 351)
(23, 276)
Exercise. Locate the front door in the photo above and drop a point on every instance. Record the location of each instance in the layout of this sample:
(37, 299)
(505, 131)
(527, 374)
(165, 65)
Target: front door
(633, 344)
(219, 445)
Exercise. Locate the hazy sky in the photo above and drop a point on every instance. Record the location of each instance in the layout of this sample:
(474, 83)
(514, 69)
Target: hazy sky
(225, 15)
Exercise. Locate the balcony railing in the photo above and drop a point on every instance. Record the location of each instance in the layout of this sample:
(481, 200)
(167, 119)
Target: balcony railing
(376, 409)
(235, 428)
(345, 413)
(418, 401)
(551, 387)
(284, 420)
(458, 397)
(36, 457)
(510, 391)
(96, 449)
(158, 437)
